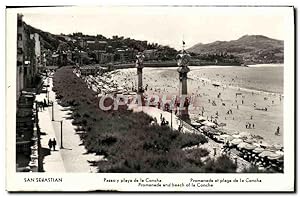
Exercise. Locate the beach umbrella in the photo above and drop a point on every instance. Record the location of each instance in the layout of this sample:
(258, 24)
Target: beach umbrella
(267, 153)
(249, 146)
(258, 150)
(201, 119)
(275, 157)
(279, 153)
(195, 124)
(236, 136)
(249, 140)
(226, 137)
(242, 145)
(244, 134)
(210, 124)
(265, 144)
(278, 146)
(210, 129)
(236, 141)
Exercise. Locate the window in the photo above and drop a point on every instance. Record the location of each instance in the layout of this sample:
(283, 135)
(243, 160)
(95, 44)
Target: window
(20, 37)
(19, 50)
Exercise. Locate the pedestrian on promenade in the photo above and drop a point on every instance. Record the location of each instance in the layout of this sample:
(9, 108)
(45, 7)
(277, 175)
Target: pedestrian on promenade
(45, 104)
(54, 143)
(40, 106)
(50, 143)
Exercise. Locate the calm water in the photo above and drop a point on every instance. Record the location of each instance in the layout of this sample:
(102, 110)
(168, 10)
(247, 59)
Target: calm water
(267, 78)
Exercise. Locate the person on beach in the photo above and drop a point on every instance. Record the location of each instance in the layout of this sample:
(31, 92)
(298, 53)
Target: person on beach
(277, 131)
(50, 143)
(54, 143)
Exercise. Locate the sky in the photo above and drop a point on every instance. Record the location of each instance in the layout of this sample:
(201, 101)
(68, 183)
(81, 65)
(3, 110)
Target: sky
(164, 25)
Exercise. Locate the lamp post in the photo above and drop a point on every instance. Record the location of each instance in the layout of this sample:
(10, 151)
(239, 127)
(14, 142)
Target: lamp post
(48, 89)
(139, 65)
(48, 95)
(52, 111)
(171, 120)
(183, 59)
(61, 134)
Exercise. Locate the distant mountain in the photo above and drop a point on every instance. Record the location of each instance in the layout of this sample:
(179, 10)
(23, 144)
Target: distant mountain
(252, 49)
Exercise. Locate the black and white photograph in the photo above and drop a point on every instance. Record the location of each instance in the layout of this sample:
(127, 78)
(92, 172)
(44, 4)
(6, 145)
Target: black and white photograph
(150, 98)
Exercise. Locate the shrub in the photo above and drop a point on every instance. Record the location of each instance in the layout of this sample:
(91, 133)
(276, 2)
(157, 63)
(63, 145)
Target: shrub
(222, 164)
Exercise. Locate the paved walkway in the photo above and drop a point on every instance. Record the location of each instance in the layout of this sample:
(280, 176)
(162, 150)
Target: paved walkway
(72, 157)
(53, 161)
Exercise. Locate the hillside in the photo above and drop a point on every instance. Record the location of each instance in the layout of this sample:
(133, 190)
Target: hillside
(71, 41)
(252, 49)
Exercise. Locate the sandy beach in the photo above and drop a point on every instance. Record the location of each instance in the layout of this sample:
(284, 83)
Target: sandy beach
(252, 94)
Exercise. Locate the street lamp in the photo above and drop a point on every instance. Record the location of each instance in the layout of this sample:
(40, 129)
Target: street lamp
(48, 95)
(61, 133)
(52, 111)
(48, 89)
(171, 119)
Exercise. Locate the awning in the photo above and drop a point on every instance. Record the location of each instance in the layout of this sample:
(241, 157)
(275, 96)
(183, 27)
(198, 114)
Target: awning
(258, 150)
(236, 141)
(267, 153)
(226, 137)
(244, 134)
(210, 124)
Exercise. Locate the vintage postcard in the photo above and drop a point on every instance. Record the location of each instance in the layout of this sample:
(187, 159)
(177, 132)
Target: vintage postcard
(150, 99)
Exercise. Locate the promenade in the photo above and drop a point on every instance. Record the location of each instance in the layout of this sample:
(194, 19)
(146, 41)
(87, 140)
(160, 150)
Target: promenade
(73, 156)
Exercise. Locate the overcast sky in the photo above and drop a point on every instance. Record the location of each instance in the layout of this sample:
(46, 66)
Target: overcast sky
(164, 25)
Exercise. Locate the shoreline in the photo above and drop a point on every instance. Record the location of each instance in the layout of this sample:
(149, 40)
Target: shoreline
(172, 64)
